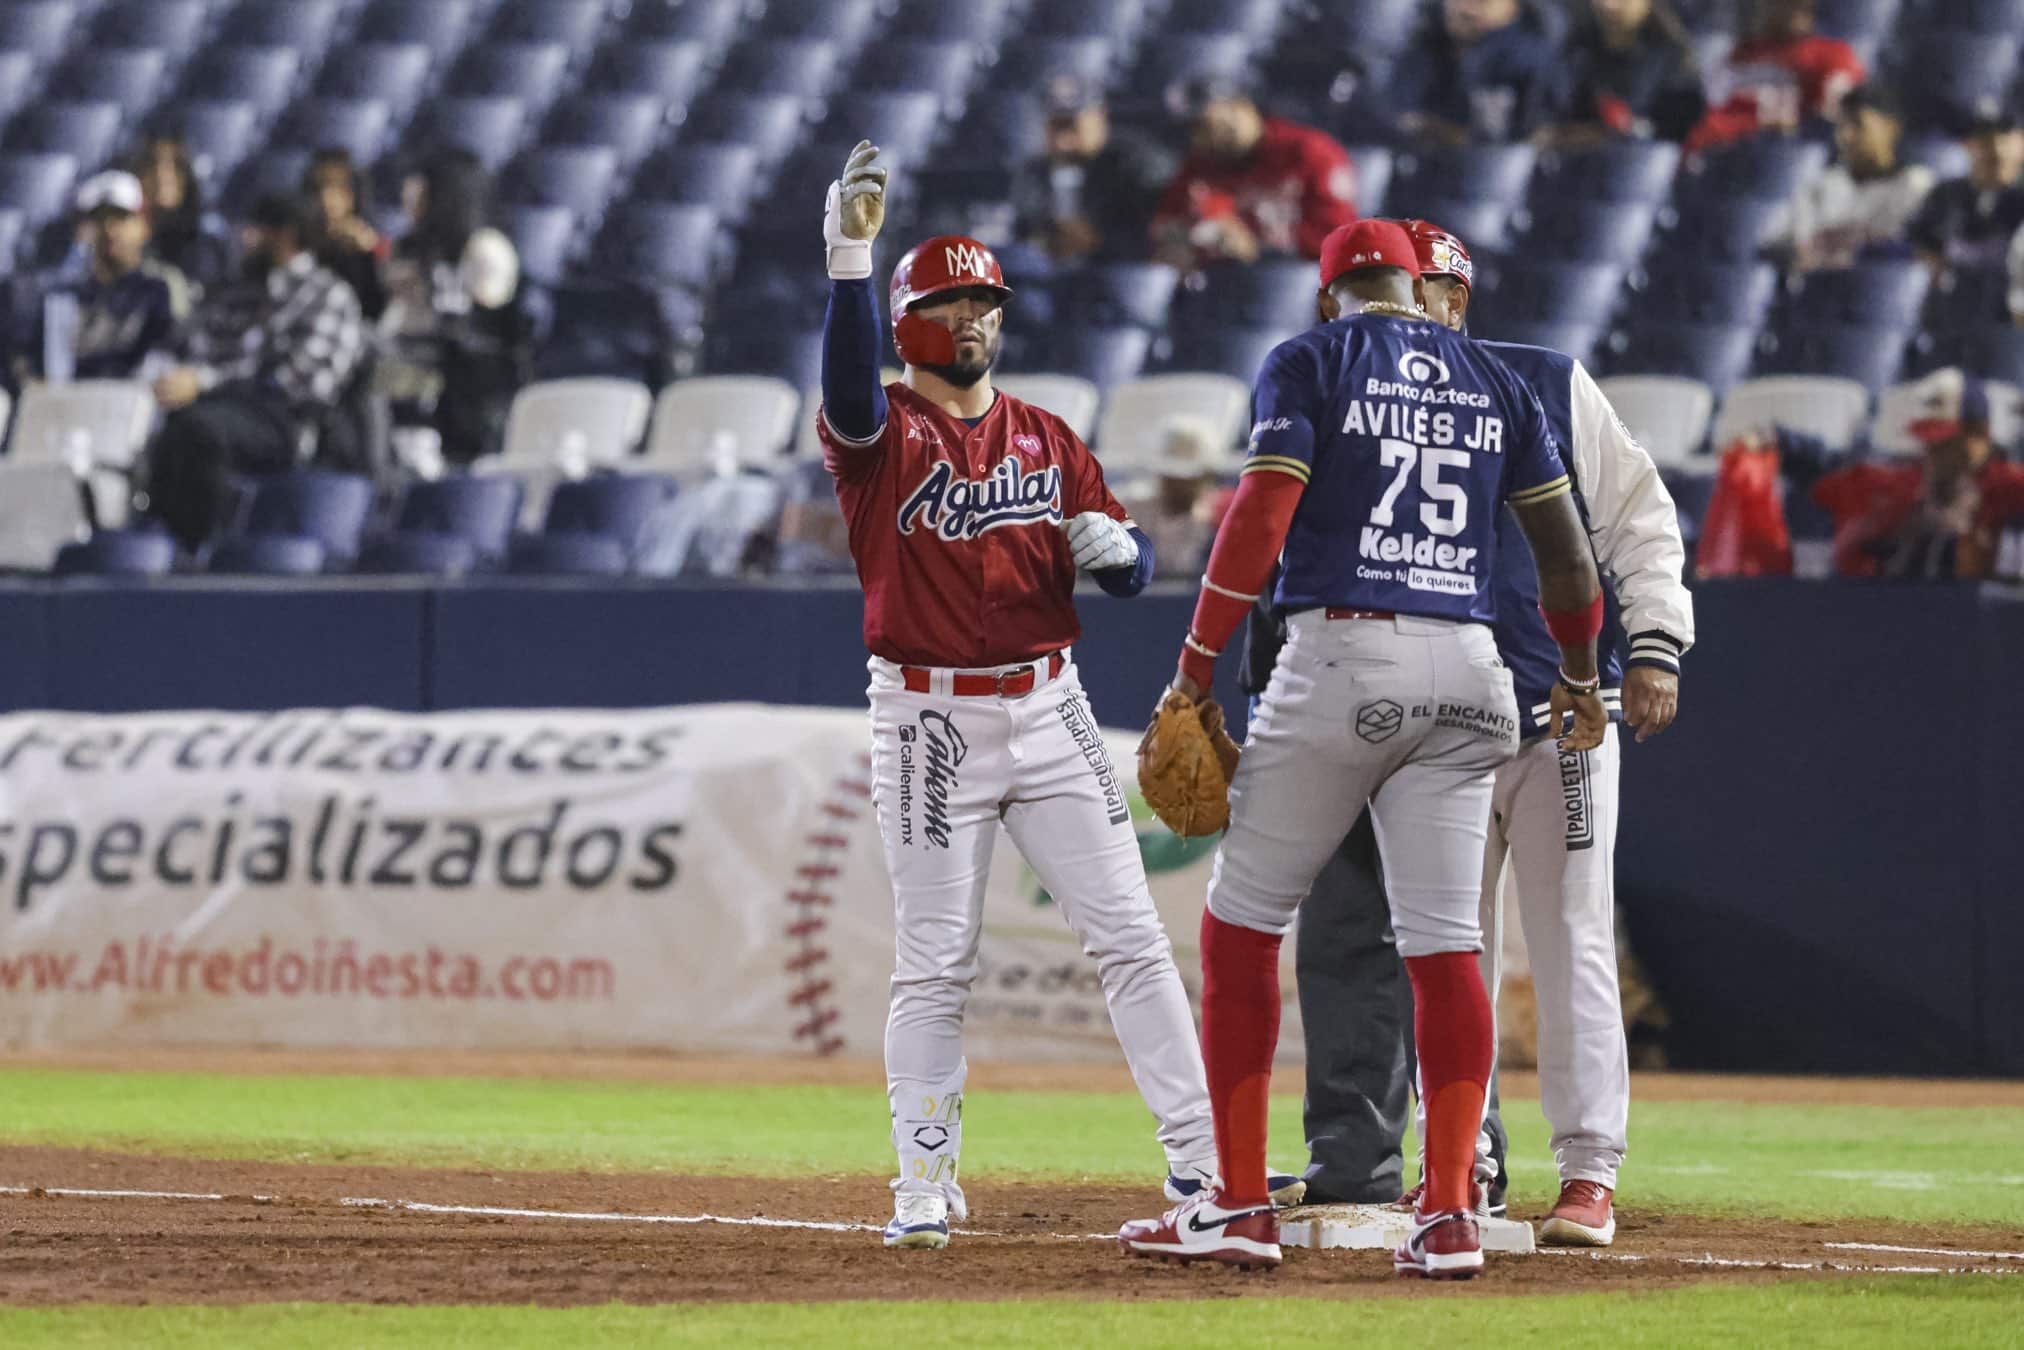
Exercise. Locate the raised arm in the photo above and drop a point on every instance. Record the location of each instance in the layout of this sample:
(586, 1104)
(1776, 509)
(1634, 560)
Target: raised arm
(853, 400)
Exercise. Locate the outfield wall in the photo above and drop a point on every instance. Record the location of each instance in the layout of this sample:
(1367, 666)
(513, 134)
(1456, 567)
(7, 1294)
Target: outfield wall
(1822, 865)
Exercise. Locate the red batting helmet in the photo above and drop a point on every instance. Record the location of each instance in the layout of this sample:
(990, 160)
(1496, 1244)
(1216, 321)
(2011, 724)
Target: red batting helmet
(1441, 254)
(945, 263)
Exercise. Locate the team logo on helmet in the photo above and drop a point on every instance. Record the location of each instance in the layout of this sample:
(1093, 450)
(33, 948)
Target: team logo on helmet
(1423, 368)
(1444, 254)
(966, 259)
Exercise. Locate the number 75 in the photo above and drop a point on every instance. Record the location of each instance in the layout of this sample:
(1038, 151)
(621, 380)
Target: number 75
(1431, 459)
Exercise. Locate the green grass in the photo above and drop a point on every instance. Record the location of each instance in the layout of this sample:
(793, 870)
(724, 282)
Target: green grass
(1851, 1315)
(1825, 1161)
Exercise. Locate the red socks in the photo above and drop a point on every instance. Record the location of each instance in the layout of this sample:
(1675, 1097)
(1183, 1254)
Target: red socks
(1240, 1031)
(1456, 1035)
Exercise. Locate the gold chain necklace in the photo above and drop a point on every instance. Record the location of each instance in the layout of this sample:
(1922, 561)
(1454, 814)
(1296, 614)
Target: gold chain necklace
(1386, 307)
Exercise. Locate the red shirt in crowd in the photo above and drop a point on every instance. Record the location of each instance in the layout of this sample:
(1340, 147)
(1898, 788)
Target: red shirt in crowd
(1296, 186)
(956, 530)
(1873, 504)
(1776, 83)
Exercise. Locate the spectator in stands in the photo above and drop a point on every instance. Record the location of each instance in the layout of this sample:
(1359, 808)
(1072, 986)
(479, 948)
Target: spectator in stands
(463, 341)
(1783, 77)
(1252, 186)
(1184, 505)
(1091, 194)
(346, 241)
(182, 235)
(1861, 205)
(116, 320)
(1968, 222)
(1483, 72)
(268, 360)
(1628, 70)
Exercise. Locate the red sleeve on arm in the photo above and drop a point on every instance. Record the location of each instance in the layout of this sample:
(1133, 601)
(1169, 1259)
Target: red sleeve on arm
(1247, 545)
(1330, 193)
(1083, 483)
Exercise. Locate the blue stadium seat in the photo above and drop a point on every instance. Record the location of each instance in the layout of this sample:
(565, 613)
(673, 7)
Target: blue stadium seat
(631, 124)
(1105, 356)
(1114, 21)
(36, 185)
(1482, 225)
(770, 123)
(979, 21)
(17, 81)
(442, 26)
(713, 23)
(1943, 77)
(1487, 173)
(1004, 129)
(1117, 293)
(1693, 291)
(579, 177)
(847, 23)
(1717, 355)
(129, 78)
(357, 125)
(717, 175)
(88, 132)
(273, 555)
(944, 69)
(489, 128)
(1370, 27)
(672, 72)
(1967, 297)
(1373, 178)
(1586, 231)
(1994, 351)
(1615, 171)
(1255, 19)
(395, 75)
(805, 66)
(263, 76)
(1717, 229)
(542, 236)
(663, 244)
(300, 25)
(795, 357)
(330, 508)
(119, 553)
(617, 506)
(570, 554)
(477, 508)
(1031, 63)
(1237, 352)
(409, 553)
(1259, 295)
(1871, 355)
(11, 229)
(172, 27)
(1166, 61)
(38, 26)
(1885, 294)
(601, 327)
(1995, 18)
(1569, 337)
(275, 169)
(1527, 291)
(1767, 167)
(1855, 20)
(576, 24)
(532, 72)
(219, 135)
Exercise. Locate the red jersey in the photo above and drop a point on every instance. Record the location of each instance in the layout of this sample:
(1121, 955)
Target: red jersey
(1776, 84)
(956, 530)
(1297, 185)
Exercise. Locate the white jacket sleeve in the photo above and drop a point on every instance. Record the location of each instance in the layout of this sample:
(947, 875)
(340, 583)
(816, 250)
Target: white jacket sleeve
(1634, 527)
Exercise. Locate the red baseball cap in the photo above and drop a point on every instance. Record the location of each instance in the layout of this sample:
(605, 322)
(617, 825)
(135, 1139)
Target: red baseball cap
(1367, 243)
(1440, 253)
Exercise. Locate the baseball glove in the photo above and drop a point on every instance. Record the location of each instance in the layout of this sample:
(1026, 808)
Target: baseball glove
(1185, 764)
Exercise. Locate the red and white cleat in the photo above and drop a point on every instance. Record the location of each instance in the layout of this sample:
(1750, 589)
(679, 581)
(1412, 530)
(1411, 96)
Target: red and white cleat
(1441, 1247)
(1584, 1216)
(1201, 1229)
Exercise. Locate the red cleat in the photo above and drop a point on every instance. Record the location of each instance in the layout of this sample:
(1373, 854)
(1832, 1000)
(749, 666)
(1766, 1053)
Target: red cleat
(1584, 1216)
(1440, 1247)
(1201, 1229)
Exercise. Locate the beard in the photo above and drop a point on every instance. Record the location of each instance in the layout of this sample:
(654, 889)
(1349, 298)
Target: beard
(964, 374)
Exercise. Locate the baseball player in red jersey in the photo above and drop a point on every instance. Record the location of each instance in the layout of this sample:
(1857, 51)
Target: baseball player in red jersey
(969, 514)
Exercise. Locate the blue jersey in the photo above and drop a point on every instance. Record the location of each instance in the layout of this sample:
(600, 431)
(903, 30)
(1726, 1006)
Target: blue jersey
(1522, 639)
(1411, 439)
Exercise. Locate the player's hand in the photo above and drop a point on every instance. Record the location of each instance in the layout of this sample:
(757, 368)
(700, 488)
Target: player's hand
(1100, 543)
(1184, 685)
(1651, 699)
(862, 193)
(1591, 719)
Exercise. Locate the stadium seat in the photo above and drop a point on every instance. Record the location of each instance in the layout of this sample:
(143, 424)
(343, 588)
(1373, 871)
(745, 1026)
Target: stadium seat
(1257, 295)
(770, 123)
(1944, 155)
(10, 239)
(1855, 20)
(1475, 173)
(1119, 293)
(576, 24)
(1570, 337)
(1115, 21)
(41, 509)
(597, 421)
(663, 244)
(579, 177)
(1105, 356)
(489, 128)
(608, 329)
(631, 124)
(129, 78)
(1483, 226)
(330, 508)
(1885, 294)
(979, 21)
(1523, 291)
(118, 553)
(671, 72)
(750, 415)
(1718, 229)
(1168, 60)
(1967, 297)
(902, 125)
(533, 72)
(944, 69)
(1835, 410)
(18, 76)
(219, 134)
(1667, 414)
(1070, 397)
(1255, 19)
(1993, 351)
(778, 65)
(542, 236)
(1133, 427)
(441, 26)
(273, 170)
(479, 510)
(301, 25)
(1691, 291)
(1944, 77)
(1716, 355)
(263, 76)
(87, 132)
(847, 23)
(41, 27)
(1373, 27)
(408, 553)
(171, 27)
(1769, 168)
(1615, 171)
(86, 424)
(356, 125)
(272, 555)
(1031, 63)
(711, 23)
(723, 177)
(1871, 355)
(394, 74)
(1373, 178)
(795, 357)
(568, 554)
(1236, 352)
(1584, 231)
(616, 506)
(37, 186)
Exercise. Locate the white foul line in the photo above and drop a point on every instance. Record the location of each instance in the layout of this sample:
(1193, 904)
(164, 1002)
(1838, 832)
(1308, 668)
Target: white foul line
(1922, 1251)
(125, 1195)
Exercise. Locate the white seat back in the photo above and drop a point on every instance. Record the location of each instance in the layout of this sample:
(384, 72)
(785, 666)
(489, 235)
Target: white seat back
(1899, 406)
(596, 419)
(41, 510)
(1668, 414)
(1069, 397)
(87, 424)
(752, 415)
(1135, 414)
(1827, 406)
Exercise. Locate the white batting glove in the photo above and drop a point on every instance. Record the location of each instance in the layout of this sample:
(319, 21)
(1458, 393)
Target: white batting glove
(853, 212)
(1100, 543)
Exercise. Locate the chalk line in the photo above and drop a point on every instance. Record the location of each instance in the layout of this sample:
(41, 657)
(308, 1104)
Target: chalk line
(1922, 1251)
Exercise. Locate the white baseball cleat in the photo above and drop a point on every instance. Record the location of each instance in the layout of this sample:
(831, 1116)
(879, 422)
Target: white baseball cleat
(1201, 1229)
(920, 1218)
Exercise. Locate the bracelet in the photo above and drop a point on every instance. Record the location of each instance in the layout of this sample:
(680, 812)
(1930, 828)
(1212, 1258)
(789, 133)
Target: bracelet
(1579, 688)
